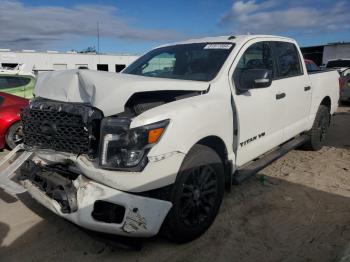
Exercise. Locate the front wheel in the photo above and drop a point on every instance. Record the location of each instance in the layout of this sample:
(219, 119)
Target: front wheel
(197, 195)
(14, 135)
(318, 133)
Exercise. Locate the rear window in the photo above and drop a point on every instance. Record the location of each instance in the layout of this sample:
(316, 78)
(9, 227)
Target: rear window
(338, 63)
(13, 81)
(288, 59)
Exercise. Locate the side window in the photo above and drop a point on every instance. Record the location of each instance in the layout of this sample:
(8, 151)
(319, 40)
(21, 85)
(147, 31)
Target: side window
(257, 56)
(288, 60)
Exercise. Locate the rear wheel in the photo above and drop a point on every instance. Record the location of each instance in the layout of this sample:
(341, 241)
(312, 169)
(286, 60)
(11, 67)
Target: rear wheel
(14, 135)
(196, 196)
(318, 133)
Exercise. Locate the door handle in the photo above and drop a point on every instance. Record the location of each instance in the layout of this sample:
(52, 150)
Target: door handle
(280, 95)
(307, 88)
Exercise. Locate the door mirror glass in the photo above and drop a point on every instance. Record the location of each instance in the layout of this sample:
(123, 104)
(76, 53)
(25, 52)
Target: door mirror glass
(255, 78)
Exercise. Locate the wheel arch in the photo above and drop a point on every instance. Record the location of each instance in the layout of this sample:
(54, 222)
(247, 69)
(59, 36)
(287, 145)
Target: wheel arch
(326, 101)
(219, 146)
(10, 124)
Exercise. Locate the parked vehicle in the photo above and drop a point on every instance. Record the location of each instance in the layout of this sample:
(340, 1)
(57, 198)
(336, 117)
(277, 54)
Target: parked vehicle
(345, 85)
(16, 82)
(343, 67)
(155, 146)
(10, 126)
(339, 64)
(311, 66)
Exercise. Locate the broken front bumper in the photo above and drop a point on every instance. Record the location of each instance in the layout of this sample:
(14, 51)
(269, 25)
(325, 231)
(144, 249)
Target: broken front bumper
(91, 205)
(142, 216)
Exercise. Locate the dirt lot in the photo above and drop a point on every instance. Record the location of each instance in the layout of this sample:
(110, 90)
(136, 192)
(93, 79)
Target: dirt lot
(297, 209)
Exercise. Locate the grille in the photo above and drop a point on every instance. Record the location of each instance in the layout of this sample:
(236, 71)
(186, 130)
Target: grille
(66, 127)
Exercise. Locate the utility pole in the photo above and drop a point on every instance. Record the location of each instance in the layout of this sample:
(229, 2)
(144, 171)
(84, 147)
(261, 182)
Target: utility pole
(98, 37)
(98, 42)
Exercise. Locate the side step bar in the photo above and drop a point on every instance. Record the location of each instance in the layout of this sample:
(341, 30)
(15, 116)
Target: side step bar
(251, 169)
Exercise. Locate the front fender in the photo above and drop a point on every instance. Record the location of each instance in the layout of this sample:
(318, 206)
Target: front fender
(191, 120)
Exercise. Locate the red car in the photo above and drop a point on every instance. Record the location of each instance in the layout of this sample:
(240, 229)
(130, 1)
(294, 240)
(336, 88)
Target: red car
(10, 125)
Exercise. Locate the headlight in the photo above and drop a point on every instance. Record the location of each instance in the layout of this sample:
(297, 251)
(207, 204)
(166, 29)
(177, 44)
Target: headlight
(125, 148)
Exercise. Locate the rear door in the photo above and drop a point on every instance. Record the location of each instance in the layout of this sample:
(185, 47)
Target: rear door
(260, 116)
(293, 87)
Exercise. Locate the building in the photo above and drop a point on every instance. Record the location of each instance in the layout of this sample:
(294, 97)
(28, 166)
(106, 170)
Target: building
(321, 54)
(53, 60)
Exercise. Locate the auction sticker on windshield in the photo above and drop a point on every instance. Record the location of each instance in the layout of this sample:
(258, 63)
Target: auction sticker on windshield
(218, 46)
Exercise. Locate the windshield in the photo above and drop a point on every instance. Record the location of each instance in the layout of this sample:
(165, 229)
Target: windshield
(338, 63)
(201, 61)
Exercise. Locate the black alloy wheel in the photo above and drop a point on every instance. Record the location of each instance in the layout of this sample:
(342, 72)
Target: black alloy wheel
(196, 195)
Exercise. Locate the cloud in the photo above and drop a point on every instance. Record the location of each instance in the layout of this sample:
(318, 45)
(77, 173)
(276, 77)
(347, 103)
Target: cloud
(273, 16)
(40, 27)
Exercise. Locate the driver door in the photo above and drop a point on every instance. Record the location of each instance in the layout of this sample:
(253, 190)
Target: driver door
(260, 114)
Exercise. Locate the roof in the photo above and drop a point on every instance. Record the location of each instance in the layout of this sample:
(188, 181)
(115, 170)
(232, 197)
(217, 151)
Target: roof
(228, 38)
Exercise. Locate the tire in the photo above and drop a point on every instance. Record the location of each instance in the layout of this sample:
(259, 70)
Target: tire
(318, 133)
(196, 196)
(14, 135)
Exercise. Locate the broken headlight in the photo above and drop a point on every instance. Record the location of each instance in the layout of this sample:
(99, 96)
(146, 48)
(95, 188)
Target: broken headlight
(125, 148)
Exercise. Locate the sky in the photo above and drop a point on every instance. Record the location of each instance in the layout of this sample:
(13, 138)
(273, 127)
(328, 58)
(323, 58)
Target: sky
(134, 26)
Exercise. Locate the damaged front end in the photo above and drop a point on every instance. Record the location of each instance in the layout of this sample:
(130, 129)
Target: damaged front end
(80, 158)
(58, 135)
(90, 204)
(55, 181)
(83, 201)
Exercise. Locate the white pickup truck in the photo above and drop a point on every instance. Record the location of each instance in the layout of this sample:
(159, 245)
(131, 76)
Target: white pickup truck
(153, 148)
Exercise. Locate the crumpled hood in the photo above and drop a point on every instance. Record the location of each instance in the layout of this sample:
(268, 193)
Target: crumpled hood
(104, 90)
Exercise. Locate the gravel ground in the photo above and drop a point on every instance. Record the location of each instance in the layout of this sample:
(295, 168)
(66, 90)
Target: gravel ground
(296, 209)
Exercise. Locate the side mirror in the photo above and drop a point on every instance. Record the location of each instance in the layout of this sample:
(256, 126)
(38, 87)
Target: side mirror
(254, 78)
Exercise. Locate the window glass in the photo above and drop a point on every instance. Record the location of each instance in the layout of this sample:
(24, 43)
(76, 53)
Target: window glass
(82, 66)
(9, 65)
(160, 64)
(102, 67)
(257, 56)
(311, 66)
(13, 81)
(288, 61)
(200, 61)
(338, 63)
(119, 67)
(59, 66)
